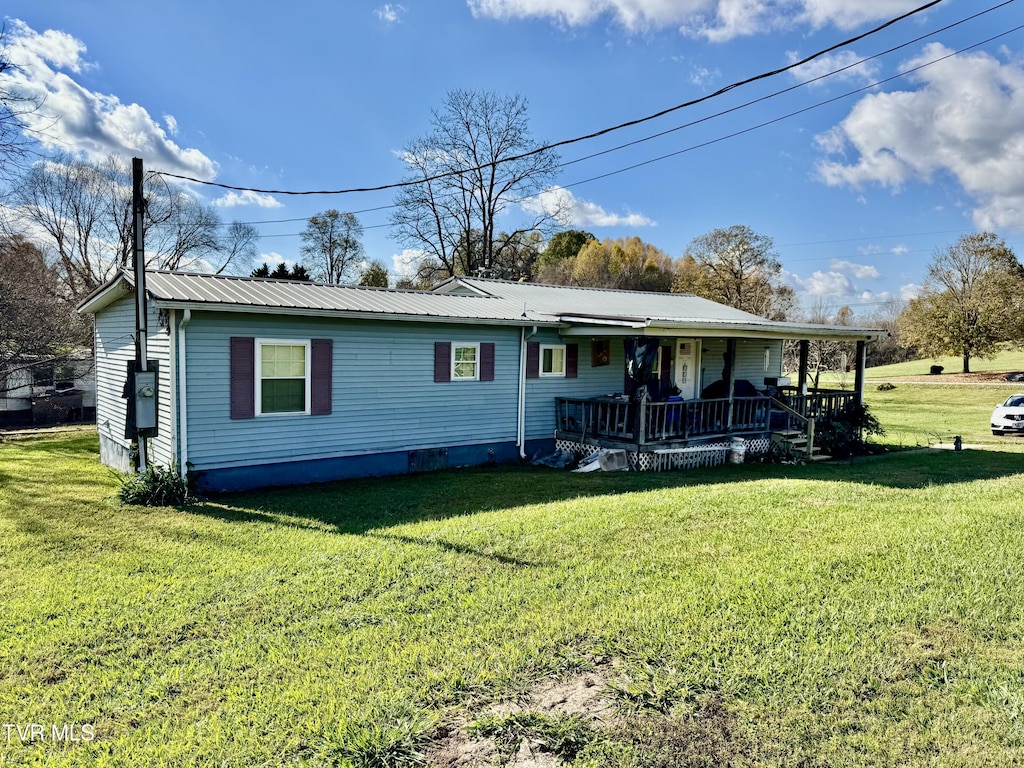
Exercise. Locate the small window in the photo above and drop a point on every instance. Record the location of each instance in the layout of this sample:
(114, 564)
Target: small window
(282, 383)
(552, 360)
(465, 362)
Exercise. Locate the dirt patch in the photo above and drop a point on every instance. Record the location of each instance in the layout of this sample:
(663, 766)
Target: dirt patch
(582, 700)
(584, 694)
(586, 714)
(706, 737)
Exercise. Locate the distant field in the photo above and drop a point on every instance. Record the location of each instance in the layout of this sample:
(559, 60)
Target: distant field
(923, 414)
(1005, 361)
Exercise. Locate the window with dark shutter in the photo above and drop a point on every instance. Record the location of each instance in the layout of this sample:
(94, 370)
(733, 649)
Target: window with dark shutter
(243, 377)
(533, 360)
(487, 361)
(321, 364)
(572, 360)
(442, 361)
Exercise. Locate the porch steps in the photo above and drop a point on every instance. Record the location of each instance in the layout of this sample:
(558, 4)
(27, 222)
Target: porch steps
(794, 442)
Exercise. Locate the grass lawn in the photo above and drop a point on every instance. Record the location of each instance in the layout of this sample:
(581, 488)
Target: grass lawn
(843, 614)
(925, 414)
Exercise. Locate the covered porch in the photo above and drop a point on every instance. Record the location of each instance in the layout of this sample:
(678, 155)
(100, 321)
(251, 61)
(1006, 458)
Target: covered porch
(662, 419)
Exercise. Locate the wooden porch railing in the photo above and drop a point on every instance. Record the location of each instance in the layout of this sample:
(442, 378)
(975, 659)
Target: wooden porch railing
(808, 423)
(651, 422)
(822, 405)
(656, 422)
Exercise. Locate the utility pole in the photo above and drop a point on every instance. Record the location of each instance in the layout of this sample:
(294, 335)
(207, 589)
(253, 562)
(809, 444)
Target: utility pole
(141, 311)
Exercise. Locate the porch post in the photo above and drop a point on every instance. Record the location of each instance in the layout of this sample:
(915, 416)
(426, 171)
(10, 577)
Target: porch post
(729, 376)
(858, 382)
(805, 346)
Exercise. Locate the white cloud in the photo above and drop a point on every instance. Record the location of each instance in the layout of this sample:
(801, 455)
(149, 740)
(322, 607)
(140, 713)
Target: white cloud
(966, 120)
(715, 20)
(172, 124)
(909, 291)
(247, 197)
(870, 297)
(899, 250)
(571, 211)
(389, 13)
(860, 271)
(846, 61)
(847, 14)
(406, 263)
(80, 121)
(702, 76)
(272, 259)
(826, 285)
(838, 284)
(631, 14)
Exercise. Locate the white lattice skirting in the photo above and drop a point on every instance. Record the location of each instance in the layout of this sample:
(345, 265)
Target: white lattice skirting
(692, 457)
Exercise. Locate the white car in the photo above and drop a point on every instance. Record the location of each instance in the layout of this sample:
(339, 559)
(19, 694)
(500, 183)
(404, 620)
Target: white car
(1009, 417)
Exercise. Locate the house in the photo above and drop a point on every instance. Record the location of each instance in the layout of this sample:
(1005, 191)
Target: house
(47, 390)
(264, 382)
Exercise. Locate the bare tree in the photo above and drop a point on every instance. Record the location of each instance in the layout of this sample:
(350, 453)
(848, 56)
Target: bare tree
(477, 161)
(331, 246)
(80, 213)
(37, 320)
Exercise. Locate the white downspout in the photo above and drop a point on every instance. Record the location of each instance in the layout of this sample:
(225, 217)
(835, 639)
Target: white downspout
(172, 378)
(521, 419)
(182, 400)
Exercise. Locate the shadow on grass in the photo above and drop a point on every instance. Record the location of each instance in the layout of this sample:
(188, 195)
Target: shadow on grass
(360, 506)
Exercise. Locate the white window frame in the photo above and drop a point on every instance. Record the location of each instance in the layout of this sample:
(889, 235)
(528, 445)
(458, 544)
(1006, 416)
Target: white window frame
(260, 343)
(476, 364)
(552, 374)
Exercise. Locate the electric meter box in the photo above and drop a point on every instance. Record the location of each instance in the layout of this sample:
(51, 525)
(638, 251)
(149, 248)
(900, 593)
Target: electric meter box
(145, 400)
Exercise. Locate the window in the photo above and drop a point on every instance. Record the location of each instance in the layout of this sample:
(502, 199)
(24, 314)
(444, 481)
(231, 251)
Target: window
(282, 381)
(465, 362)
(552, 360)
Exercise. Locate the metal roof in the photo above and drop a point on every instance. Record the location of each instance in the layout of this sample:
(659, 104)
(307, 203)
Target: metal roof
(577, 310)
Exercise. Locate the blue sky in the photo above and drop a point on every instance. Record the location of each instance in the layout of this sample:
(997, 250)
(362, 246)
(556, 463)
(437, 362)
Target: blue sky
(857, 193)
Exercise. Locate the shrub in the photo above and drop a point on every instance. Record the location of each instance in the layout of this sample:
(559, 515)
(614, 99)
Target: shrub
(156, 487)
(846, 435)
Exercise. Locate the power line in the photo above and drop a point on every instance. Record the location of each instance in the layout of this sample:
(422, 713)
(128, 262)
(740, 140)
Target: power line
(786, 90)
(708, 117)
(754, 127)
(779, 119)
(566, 142)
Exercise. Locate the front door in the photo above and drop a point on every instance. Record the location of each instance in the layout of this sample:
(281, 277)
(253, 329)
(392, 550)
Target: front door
(687, 367)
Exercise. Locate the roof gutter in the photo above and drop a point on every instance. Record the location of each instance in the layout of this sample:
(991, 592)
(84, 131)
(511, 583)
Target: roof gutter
(348, 314)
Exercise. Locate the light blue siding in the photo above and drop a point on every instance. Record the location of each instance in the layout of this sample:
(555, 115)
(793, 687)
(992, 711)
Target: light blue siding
(162, 447)
(384, 397)
(590, 382)
(115, 347)
(749, 360)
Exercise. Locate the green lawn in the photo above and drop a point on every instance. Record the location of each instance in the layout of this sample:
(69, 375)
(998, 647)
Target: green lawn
(843, 614)
(925, 414)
